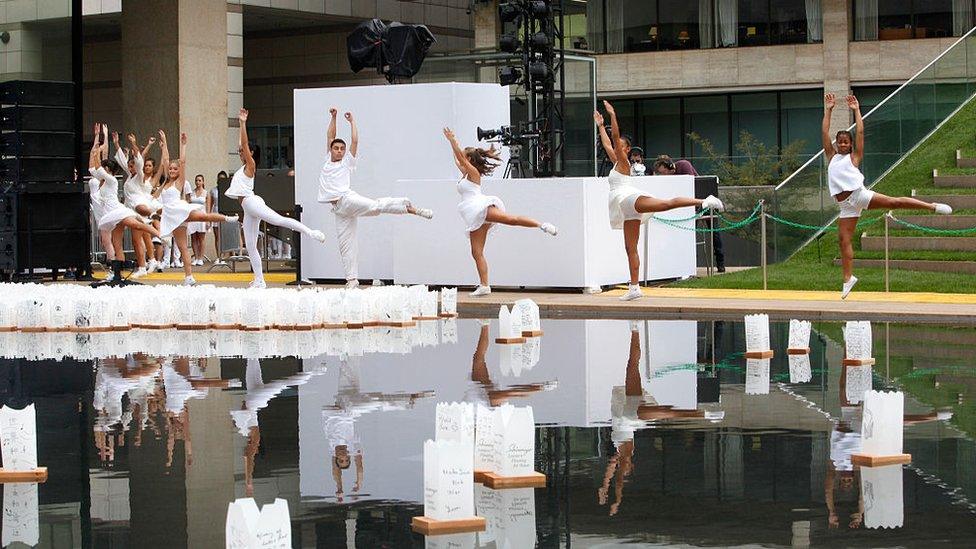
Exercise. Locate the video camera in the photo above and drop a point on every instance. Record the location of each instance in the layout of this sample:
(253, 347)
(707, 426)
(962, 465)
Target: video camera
(509, 135)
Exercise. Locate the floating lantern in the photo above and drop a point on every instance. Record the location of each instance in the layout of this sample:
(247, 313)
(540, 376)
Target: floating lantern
(528, 313)
(882, 430)
(448, 490)
(757, 376)
(448, 302)
(757, 336)
(508, 331)
(799, 337)
(857, 343)
(247, 527)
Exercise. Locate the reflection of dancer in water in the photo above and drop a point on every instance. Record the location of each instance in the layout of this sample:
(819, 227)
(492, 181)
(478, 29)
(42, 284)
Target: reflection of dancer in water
(339, 421)
(846, 184)
(629, 206)
(349, 206)
(480, 212)
(483, 390)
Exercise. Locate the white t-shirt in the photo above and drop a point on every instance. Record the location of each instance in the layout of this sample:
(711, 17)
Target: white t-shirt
(241, 186)
(843, 175)
(334, 179)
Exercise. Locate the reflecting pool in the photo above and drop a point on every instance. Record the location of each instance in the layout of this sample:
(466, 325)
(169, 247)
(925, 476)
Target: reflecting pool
(654, 432)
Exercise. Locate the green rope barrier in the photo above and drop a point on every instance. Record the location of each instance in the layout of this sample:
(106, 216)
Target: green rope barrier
(682, 220)
(732, 225)
(831, 227)
(932, 230)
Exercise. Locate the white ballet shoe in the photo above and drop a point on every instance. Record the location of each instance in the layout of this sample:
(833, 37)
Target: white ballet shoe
(480, 291)
(712, 202)
(152, 265)
(942, 209)
(848, 286)
(549, 229)
(352, 284)
(139, 273)
(633, 292)
(318, 235)
(189, 281)
(109, 275)
(259, 284)
(230, 218)
(425, 213)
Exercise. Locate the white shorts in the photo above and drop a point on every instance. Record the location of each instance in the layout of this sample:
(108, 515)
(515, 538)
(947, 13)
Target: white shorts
(858, 201)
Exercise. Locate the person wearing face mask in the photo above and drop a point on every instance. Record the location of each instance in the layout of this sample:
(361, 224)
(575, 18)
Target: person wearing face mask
(637, 166)
(846, 183)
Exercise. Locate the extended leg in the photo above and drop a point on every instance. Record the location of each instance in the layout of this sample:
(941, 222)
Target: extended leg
(251, 227)
(258, 209)
(348, 244)
(648, 204)
(496, 215)
(179, 235)
(884, 202)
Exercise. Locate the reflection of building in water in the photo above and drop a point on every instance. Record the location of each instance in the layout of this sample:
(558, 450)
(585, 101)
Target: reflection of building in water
(483, 390)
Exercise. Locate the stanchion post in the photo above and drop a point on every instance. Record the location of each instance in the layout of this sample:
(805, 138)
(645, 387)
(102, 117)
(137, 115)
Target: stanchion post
(762, 213)
(888, 218)
(710, 249)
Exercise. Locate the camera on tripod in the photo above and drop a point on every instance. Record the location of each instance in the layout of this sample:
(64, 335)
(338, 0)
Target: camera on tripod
(508, 135)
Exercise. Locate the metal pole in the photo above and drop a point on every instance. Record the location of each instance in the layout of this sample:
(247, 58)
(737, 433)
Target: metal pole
(646, 232)
(762, 210)
(886, 221)
(710, 249)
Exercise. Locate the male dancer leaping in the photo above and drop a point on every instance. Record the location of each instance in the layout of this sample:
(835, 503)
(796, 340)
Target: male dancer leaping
(348, 206)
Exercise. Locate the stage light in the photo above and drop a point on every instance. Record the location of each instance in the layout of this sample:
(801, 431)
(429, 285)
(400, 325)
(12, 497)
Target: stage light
(539, 8)
(539, 70)
(540, 40)
(509, 76)
(509, 43)
(509, 11)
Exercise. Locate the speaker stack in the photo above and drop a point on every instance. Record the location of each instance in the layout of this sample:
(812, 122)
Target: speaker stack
(44, 219)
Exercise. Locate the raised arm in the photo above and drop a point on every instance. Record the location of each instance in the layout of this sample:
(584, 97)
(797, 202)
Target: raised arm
(332, 126)
(163, 156)
(103, 153)
(149, 144)
(354, 139)
(139, 157)
(94, 157)
(245, 146)
(621, 162)
(828, 142)
(120, 155)
(182, 161)
(604, 138)
(459, 157)
(858, 154)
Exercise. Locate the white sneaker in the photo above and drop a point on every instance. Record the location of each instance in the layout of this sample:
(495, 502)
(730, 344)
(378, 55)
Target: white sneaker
(152, 265)
(848, 286)
(378, 282)
(109, 275)
(943, 209)
(230, 218)
(425, 213)
(318, 235)
(220, 262)
(712, 202)
(480, 291)
(176, 264)
(189, 281)
(156, 240)
(633, 292)
(549, 229)
(139, 273)
(199, 263)
(259, 284)
(351, 284)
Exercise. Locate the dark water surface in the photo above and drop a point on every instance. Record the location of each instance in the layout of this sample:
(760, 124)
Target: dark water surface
(653, 433)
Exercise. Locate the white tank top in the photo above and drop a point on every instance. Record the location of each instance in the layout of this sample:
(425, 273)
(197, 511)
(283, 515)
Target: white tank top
(241, 185)
(170, 195)
(843, 175)
(196, 199)
(617, 179)
(466, 188)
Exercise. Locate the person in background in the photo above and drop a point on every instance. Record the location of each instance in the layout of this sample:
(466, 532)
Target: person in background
(637, 166)
(664, 165)
(212, 202)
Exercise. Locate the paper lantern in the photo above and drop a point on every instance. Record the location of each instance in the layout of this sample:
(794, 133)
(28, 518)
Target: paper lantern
(509, 328)
(247, 527)
(883, 423)
(455, 421)
(527, 312)
(857, 340)
(757, 376)
(448, 480)
(800, 371)
(757, 333)
(515, 440)
(448, 302)
(799, 335)
(884, 503)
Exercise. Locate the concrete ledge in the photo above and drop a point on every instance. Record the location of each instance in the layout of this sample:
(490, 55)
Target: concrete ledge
(957, 201)
(937, 221)
(964, 181)
(967, 267)
(927, 243)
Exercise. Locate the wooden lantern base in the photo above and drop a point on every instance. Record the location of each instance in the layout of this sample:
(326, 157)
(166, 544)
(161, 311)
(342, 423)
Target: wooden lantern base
(372, 324)
(426, 317)
(509, 340)
(858, 361)
(401, 324)
(448, 315)
(33, 330)
(531, 333)
(30, 475)
(866, 460)
(760, 354)
(355, 325)
(330, 326)
(432, 527)
(798, 351)
(498, 482)
(208, 382)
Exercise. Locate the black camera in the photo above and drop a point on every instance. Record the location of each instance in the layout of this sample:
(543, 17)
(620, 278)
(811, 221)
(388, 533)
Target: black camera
(508, 135)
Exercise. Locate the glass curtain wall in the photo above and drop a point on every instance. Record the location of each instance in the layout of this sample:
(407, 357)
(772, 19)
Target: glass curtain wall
(906, 19)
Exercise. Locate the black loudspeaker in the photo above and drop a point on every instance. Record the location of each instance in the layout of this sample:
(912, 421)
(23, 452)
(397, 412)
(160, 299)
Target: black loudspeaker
(709, 389)
(38, 144)
(26, 170)
(8, 212)
(51, 211)
(8, 251)
(53, 249)
(25, 119)
(37, 92)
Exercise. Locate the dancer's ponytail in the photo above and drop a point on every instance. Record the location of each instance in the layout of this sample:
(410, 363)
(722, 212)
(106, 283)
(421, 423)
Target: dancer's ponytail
(482, 159)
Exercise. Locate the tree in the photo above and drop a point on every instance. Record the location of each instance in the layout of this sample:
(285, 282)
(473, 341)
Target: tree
(755, 163)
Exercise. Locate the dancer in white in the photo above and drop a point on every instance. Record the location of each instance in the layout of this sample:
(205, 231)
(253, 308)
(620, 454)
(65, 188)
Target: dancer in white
(152, 174)
(255, 210)
(198, 229)
(97, 209)
(846, 184)
(348, 206)
(630, 207)
(114, 216)
(176, 211)
(479, 211)
(137, 198)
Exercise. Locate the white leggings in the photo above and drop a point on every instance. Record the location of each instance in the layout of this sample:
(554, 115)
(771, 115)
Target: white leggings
(256, 211)
(350, 207)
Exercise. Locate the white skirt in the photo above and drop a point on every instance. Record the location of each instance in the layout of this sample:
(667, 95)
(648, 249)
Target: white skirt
(112, 217)
(474, 210)
(174, 215)
(197, 227)
(622, 204)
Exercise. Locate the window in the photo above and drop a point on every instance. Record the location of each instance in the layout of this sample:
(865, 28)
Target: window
(757, 114)
(904, 19)
(660, 126)
(801, 113)
(678, 20)
(707, 116)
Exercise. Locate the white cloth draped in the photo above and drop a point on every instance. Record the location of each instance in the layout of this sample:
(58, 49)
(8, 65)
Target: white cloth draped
(814, 20)
(866, 20)
(727, 16)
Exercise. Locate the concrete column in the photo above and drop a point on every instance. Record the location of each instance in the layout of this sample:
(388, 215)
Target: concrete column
(174, 77)
(836, 63)
(235, 79)
(486, 25)
(20, 57)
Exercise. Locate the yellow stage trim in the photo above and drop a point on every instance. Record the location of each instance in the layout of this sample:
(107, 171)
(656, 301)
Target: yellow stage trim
(212, 277)
(794, 295)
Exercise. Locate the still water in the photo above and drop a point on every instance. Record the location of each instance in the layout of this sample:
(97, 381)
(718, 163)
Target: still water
(654, 433)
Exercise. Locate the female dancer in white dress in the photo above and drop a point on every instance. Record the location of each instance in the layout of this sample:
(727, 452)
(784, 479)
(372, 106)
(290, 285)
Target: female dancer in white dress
(481, 212)
(198, 229)
(138, 198)
(846, 184)
(176, 211)
(95, 159)
(114, 217)
(255, 210)
(630, 207)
